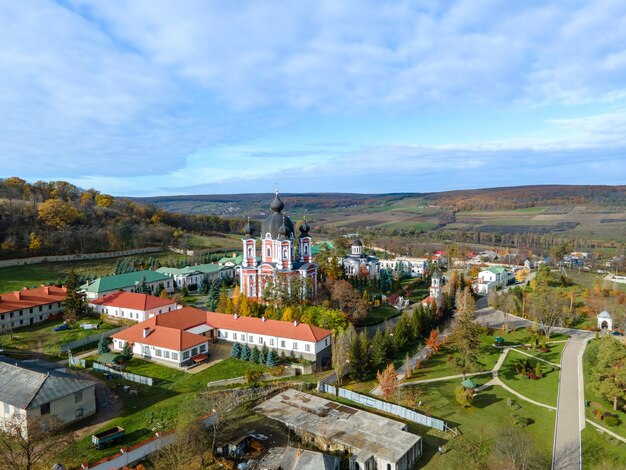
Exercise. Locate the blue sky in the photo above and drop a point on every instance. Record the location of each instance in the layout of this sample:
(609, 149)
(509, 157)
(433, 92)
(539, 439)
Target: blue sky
(150, 97)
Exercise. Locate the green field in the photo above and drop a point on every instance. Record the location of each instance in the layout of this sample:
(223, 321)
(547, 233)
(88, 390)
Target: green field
(33, 275)
(205, 242)
(544, 390)
(41, 338)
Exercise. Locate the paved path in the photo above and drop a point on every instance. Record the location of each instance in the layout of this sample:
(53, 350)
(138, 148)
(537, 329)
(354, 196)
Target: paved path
(448, 377)
(608, 431)
(535, 357)
(567, 450)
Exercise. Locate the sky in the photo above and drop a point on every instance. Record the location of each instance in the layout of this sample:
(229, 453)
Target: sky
(155, 97)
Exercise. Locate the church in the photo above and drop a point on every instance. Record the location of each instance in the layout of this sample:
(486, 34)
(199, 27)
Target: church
(357, 263)
(278, 266)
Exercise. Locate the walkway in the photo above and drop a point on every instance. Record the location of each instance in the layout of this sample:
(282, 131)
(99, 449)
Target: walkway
(447, 377)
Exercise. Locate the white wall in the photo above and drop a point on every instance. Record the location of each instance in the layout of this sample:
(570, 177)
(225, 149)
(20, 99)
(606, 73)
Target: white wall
(22, 317)
(135, 315)
(168, 356)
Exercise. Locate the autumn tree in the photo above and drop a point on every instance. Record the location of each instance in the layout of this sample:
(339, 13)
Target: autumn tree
(434, 341)
(609, 370)
(548, 309)
(465, 335)
(514, 449)
(388, 381)
(341, 352)
(32, 444)
(464, 396)
(346, 298)
(57, 214)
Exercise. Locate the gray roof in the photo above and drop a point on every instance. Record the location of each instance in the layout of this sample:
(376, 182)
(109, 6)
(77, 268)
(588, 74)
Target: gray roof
(291, 458)
(26, 385)
(604, 314)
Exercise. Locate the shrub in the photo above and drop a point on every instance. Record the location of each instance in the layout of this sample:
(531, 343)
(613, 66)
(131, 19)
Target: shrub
(253, 377)
(611, 421)
(598, 415)
(277, 371)
(464, 396)
(520, 421)
(512, 404)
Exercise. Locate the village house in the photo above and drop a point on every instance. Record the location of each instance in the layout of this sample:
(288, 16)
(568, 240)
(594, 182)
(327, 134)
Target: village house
(178, 336)
(191, 277)
(492, 278)
(127, 282)
(373, 441)
(29, 306)
(132, 306)
(31, 390)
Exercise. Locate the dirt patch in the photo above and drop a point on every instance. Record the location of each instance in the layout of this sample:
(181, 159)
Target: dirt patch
(108, 407)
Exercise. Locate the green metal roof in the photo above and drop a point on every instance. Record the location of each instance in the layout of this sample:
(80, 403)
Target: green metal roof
(122, 281)
(496, 269)
(469, 383)
(109, 358)
(235, 260)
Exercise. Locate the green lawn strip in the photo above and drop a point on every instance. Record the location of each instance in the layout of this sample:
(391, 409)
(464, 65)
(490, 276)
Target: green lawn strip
(598, 402)
(544, 390)
(379, 314)
(601, 451)
(553, 355)
(33, 275)
(41, 337)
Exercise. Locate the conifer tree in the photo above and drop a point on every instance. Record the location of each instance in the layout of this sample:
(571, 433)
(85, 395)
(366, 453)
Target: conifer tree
(235, 352)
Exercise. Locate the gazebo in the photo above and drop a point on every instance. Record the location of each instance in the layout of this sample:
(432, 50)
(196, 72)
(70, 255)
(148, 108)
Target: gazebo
(469, 384)
(605, 320)
(498, 340)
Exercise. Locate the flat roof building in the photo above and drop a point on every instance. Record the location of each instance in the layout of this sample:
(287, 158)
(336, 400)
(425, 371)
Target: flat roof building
(375, 442)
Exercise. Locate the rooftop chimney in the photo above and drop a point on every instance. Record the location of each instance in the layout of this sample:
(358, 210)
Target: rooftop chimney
(236, 316)
(146, 332)
(46, 290)
(18, 295)
(295, 323)
(263, 318)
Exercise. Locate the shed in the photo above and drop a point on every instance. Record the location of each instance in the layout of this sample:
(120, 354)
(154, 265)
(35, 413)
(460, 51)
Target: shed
(605, 320)
(110, 358)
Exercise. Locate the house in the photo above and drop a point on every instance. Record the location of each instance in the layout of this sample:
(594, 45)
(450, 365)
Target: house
(132, 306)
(176, 337)
(191, 277)
(374, 441)
(127, 282)
(29, 306)
(290, 458)
(30, 389)
(494, 277)
(413, 267)
(605, 321)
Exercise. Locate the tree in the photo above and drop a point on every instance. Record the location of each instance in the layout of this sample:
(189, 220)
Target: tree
(74, 304)
(406, 365)
(341, 350)
(32, 444)
(401, 334)
(465, 336)
(469, 451)
(104, 200)
(127, 352)
(103, 345)
(388, 380)
(235, 352)
(359, 356)
(57, 214)
(222, 405)
(514, 449)
(346, 298)
(434, 341)
(380, 349)
(245, 353)
(271, 359)
(254, 355)
(609, 371)
(548, 309)
(464, 396)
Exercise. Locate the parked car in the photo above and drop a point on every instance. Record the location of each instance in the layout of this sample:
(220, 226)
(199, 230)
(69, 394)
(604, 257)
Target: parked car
(617, 333)
(61, 327)
(108, 437)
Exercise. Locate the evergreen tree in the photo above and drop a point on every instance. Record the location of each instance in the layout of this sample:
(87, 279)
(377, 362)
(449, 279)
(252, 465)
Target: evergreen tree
(263, 355)
(380, 346)
(400, 334)
(127, 352)
(271, 359)
(235, 352)
(255, 354)
(142, 287)
(204, 286)
(358, 356)
(103, 345)
(245, 353)
(74, 304)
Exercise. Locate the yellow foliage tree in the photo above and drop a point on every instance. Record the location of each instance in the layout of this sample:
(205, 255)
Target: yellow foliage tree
(287, 314)
(35, 242)
(104, 200)
(57, 214)
(244, 306)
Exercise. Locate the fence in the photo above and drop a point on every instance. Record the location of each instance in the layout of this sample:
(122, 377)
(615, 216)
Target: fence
(76, 362)
(390, 408)
(125, 375)
(86, 256)
(89, 339)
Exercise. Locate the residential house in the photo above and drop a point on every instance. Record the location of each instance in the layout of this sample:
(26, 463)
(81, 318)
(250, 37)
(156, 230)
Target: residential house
(29, 306)
(132, 306)
(175, 337)
(191, 276)
(127, 282)
(494, 277)
(32, 390)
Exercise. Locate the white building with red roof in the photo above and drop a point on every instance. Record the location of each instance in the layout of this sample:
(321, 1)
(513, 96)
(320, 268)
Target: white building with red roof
(175, 337)
(29, 306)
(132, 306)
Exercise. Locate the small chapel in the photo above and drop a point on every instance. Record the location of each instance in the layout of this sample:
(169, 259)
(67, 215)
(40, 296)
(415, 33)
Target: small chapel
(279, 264)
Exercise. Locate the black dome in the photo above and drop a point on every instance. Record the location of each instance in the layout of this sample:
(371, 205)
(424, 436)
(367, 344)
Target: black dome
(277, 205)
(357, 242)
(304, 228)
(273, 223)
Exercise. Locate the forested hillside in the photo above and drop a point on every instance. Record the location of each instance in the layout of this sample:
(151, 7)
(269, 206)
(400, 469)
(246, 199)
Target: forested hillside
(56, 217)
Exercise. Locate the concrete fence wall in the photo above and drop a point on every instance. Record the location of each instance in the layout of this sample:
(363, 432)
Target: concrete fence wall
(391, 408)
(89, 339)
(125, 375)
(80, 257)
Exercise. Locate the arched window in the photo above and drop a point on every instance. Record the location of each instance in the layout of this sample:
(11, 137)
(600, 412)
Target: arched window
(285, 253)
(269, 252)
(306, 249)
(249, 252)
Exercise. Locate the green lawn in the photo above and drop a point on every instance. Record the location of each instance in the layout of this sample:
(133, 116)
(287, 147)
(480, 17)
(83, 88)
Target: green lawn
(157, 407)
(553, 355)
(601, 451)
(33, 275)
(544, 390)
(41, 337)
(598, 402)
(379, 314)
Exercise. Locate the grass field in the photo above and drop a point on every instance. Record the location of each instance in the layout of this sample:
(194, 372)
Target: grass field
(544, 390)
(33, 275)
(205, 242)
(41, 338)
(379, 314)
(600, 451)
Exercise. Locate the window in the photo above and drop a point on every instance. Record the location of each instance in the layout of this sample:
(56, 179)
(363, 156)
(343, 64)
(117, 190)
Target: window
(40, 308)
(146, 349)
(175, 356)
(269, 253)
(295, 346)
(186, 355)
(31, 310)
(50, 307)
(307, 347)
(166, 354)
(260, 339)
(194, 351)
(225, 334)
(78, 396)
(158, 353)
(7, 409)
(282, 343)
(45, 408)
(78, 413)
(250, 339)
(219, 333)
(21, 313)
(234, 335)
(271, 341)
(2, 317)
(326, 341)
(202, 348)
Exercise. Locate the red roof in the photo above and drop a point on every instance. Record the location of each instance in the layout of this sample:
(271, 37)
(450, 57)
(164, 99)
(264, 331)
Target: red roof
(132, 301)
(163, 327)
(27, 298)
